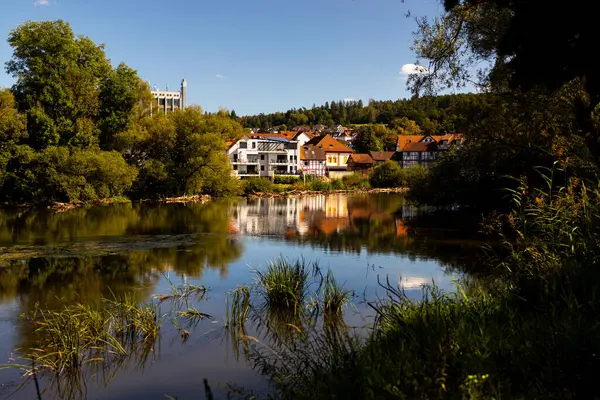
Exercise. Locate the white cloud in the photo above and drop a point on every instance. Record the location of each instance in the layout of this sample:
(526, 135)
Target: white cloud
(413, 282)
(348, 100)
(219, 76)
(410, 69)
(41, 3)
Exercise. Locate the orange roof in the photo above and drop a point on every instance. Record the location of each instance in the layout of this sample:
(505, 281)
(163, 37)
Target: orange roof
(421, 146)
(403, 140)
(230, 143)
(406, 141)
(329, 144)
(289, 135)
(361, 158)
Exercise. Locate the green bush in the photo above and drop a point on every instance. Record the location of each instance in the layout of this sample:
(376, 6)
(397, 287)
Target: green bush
(258, 185)
(282, 188)
(320, 185)
(356, 181)
(387, 175)
(286, 179)
(337, 184)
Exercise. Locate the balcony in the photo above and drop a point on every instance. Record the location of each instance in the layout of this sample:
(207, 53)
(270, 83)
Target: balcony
(281, 162)
(245, 173)
(245, 162)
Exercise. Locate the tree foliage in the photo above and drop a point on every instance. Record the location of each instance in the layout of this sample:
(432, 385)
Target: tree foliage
(429, 114)
(73, 128)
(530, 117)
(366, 140)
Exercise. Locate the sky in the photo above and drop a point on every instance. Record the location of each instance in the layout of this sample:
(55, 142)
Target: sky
(250, 56)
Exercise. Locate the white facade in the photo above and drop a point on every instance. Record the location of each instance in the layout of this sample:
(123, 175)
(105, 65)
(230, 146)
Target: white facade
(265, 157)
(337, 159)
(169, 101)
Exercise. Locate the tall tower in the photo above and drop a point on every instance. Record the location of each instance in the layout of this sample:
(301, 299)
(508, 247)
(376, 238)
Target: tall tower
(183, 93)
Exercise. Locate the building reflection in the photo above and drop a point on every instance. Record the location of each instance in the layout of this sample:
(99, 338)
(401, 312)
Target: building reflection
(315, 215)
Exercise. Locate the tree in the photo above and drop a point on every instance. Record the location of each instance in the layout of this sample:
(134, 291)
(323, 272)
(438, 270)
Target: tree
(12, 130)
(366, 140)
(405, 126)
(386, 175)
(58, 76)
(514, 38)
(119, 94)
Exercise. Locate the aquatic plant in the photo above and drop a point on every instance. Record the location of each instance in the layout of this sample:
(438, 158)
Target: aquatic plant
(334, 297)
(530, 332)
(284, 283)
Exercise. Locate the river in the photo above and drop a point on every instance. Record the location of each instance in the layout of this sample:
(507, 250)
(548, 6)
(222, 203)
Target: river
(51, 259)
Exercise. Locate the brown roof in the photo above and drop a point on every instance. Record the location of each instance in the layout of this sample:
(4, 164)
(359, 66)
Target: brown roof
(360, 159)
(309, 152)
(421, 146)
(329, 144)
(382, 155)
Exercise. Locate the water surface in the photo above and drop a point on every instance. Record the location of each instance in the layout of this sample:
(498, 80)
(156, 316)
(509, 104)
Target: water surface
(49, 259)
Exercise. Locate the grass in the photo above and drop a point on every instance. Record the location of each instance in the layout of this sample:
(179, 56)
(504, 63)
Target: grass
(79, 341)
(334, 297)
(284, 283)
(529, 331)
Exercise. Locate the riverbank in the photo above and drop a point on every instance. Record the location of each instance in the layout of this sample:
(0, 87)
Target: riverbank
(199, 198)
(301, 193)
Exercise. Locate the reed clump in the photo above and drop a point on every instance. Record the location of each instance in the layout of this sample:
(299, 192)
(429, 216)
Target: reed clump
(284, 283)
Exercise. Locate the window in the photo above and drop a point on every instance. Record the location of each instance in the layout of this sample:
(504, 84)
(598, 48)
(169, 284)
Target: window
(243, 145)
(235, 167)
(305, 162)
(334, 160)
(329, 159)
(262, 157)
(262, 167)
(253, 145)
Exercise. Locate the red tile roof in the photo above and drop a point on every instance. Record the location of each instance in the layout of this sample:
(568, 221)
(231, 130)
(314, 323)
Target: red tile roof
(329, 144)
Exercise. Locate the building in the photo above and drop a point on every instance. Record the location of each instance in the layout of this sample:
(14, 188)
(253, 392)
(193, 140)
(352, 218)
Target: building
(262, 155)
(337, 153)
(312, 160)
(360, 163)
(414, 150)
(382, 156)
(169, 101)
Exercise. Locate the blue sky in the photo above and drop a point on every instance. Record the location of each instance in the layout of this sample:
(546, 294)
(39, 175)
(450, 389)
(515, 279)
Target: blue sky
(251, 56)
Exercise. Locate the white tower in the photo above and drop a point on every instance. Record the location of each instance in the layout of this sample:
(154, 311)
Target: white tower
(183, 93)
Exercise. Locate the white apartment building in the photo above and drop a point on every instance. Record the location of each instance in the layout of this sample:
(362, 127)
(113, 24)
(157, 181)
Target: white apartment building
(265, 157)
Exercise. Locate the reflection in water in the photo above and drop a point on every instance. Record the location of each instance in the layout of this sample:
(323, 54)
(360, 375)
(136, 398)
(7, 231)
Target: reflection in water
(84, 255)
